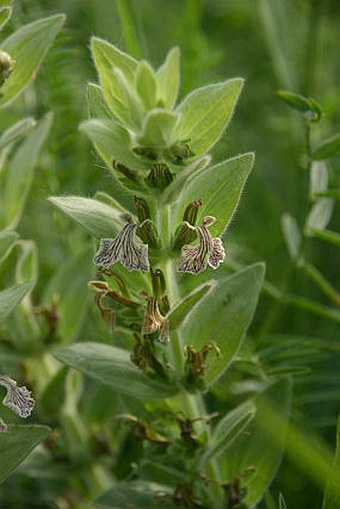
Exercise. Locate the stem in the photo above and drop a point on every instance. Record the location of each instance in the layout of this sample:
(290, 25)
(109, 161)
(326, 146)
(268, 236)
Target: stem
(128, 28)
(192, 405)
(319, 279)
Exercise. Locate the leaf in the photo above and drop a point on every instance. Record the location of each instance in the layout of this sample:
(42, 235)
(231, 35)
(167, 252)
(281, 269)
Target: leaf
(230, 309)
(5, 15)
(320, 214)
(328, 148)
(96, 105)
(205, 113)
(168, 79)
(219, 187)
(3, 3)
(300, 103)
(68, 287)
(318, 179)
(27, 265)
(331, 498)
(258, 449)
(146, 85)
(228, 428)
(134, 494)
(180, 312)
(17, 443)
(20, 172)
(157, 129)
(113, 367)
(116, 71)
(106, 57)
(28, 47)
(16, 131)
(7, 239)
(95, 217)
(282, 503)
(11, 297)
(291, 235)
(113, 140)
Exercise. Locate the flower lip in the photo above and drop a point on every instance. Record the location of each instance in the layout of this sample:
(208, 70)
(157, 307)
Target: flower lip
(124, 248)
(209, 251)
(17, 398)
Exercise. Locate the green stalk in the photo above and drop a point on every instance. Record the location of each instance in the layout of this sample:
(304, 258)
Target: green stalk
(128, 28)
(321, 282)
(192, 405)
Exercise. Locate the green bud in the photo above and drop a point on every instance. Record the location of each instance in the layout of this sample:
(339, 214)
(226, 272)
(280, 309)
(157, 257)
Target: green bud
(180, 152)
(6, 66)
(158, 283)
(160, 176)
(147, 152)
(146, 232)
(124, 170)
(190, 213)
(142, 208)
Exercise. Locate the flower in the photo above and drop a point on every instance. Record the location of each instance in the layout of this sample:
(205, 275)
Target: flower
(124, 248)
(17, 398)
(6, 66)
(194, 259)
(154, 321)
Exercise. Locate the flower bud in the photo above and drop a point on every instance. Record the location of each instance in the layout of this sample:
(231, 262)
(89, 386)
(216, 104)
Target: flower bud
(160, 176)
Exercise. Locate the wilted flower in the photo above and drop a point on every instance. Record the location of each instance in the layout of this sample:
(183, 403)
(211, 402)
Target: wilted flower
(154, 321)
(6, 66)
(194, 259)
(124, 249)
(17, 398)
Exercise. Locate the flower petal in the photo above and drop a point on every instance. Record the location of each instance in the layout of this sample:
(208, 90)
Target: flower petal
(108, 252)
(17, 398)
(217, 253)
(191, 260)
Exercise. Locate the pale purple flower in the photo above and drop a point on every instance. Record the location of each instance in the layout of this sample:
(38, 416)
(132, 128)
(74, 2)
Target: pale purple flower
(124, 249)
(209, 251)
(17, 398)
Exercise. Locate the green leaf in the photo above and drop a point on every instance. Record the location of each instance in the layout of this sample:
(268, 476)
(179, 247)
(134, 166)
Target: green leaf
(5, 15)
(96, 105)
(95, 217)
(318, 179)
(300, 103)
(180, 312)
(134, 494)
(282, 503)
(230, 310)
(228, 428)
(168, 79)
(7, 239)
(4, 3)
(113, 367)
(328, 148)
(20, 172)
(331, 498)
(258, 449)
(320, 214)
(11, 297)
(16, 444)
(205, 113)
(220, 187)
(27, 265)
(116, 72)
(69, 286)
(28, 47)
(291, 235)
(146, 85)
(112, 141)
(16, 131)
(106, 57)
(157, 129)
(54, 395)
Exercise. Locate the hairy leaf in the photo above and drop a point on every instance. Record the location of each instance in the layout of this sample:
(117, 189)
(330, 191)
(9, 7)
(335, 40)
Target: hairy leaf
(168, 79)
(11, 297)
(28, 47)
(113, 367)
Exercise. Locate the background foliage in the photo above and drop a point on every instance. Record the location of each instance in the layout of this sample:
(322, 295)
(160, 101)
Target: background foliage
(273, 44)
